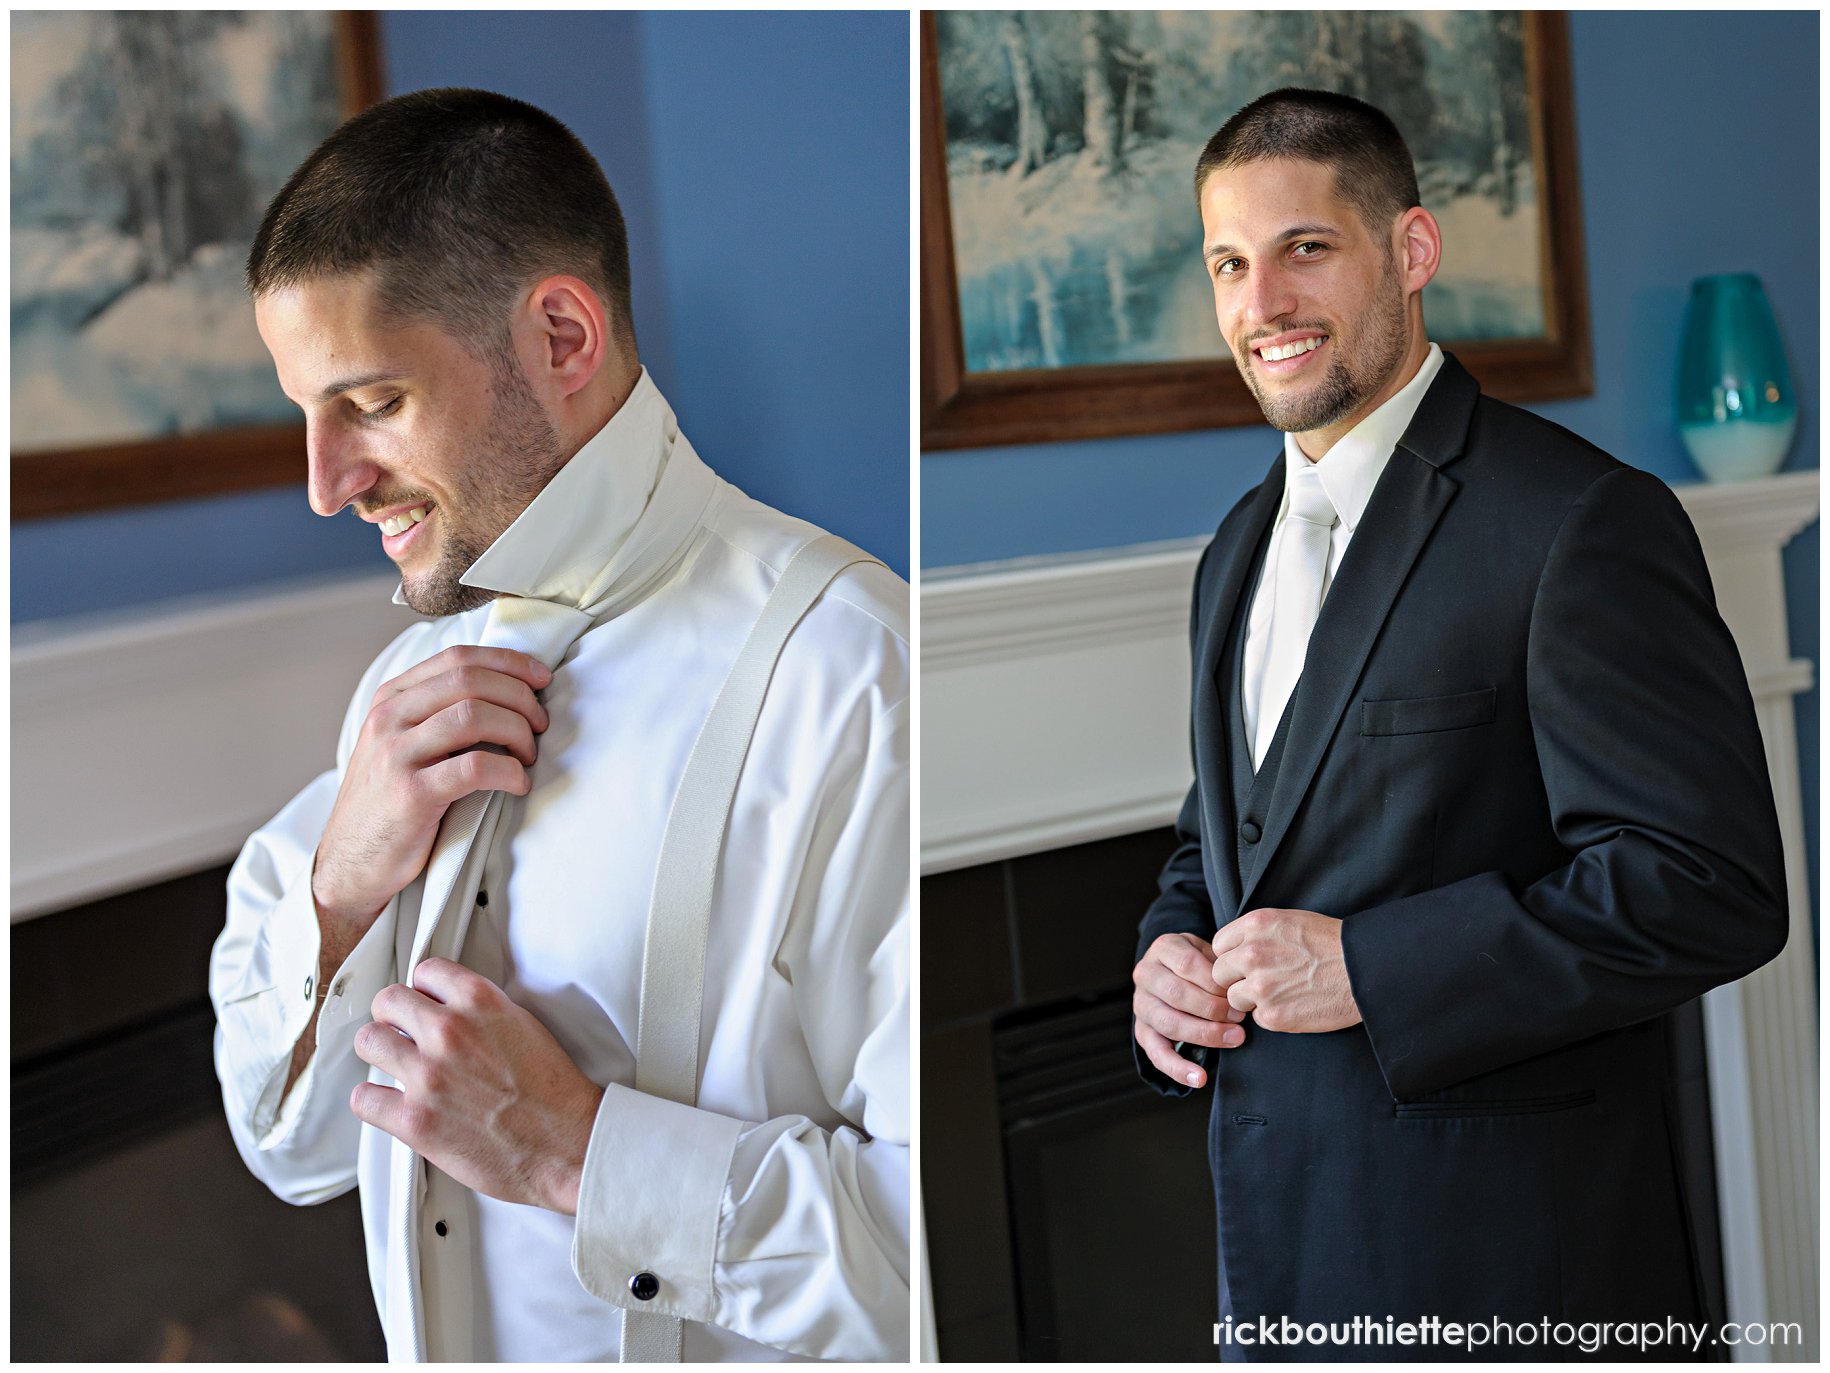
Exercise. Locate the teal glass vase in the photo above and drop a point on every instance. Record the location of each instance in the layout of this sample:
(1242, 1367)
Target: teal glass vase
(1737, 410)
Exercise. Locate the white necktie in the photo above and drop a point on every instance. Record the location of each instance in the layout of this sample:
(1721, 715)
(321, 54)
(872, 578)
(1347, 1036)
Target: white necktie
(544, 630)
(541, 629)
(1302, 567)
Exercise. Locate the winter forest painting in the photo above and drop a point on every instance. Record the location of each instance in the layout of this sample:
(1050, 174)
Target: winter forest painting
(1072, 139)
(145, 147)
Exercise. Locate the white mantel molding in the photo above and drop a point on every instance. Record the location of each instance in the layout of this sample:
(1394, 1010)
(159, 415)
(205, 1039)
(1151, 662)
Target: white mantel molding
(1055, 711)
(150, 745)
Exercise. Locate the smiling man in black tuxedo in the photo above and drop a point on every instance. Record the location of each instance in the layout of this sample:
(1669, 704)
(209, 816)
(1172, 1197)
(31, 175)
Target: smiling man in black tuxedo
(1480, 799)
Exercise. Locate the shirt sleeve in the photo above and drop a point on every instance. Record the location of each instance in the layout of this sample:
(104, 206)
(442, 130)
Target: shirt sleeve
(264, 985)
(785, 1232)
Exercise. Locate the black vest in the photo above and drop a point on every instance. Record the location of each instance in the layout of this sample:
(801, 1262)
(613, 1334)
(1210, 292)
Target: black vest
(1252, 791)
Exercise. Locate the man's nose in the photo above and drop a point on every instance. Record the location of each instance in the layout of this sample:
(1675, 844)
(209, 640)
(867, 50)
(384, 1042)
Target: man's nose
(1271, 296)
(336, 471)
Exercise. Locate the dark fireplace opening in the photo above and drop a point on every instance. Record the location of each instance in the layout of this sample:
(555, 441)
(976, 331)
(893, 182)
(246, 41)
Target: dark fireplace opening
(1067, 1206)
(137, 1232)
(1111, 1208)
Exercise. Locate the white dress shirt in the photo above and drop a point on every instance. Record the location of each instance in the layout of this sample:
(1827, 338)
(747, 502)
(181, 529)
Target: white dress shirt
(776, 1211)
(1349, 471)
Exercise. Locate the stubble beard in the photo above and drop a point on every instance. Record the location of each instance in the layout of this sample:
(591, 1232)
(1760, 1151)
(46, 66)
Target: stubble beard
(520, 453)
(1343, 389)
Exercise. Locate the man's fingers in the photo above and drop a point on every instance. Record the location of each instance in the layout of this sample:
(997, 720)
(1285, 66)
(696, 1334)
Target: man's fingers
(1178, 1025)
(449, 983)
(385, 1108)
(464, 724)
(479, 771)
(506, 661)
(406, 1009)
(1167, 1061)
(1205, 1002)
(426, 698)
(1179, 969)
(1229, 936)
(1233, 966)
(382, 1046)
(1184, 955)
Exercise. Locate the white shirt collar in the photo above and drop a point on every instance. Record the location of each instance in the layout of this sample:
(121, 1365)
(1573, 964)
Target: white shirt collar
(611, 519)
(1351, 468)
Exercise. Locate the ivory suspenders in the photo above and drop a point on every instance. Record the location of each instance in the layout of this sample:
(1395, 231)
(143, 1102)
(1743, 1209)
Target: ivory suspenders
(673, 954)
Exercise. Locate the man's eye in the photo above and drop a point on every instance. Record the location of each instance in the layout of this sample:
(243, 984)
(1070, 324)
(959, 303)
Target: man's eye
(382, 411)
(1228, 266)
(1303, 248)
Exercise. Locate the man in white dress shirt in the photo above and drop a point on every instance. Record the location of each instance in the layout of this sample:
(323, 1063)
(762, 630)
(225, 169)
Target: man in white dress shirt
(444, 287)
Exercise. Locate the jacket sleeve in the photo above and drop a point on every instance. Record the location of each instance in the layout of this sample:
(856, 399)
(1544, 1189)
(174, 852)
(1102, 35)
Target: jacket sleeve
(1183, 905)
(263, 985)
(1652, 762)
(786, 1232)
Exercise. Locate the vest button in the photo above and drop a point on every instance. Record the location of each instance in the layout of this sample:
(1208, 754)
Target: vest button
(645, 1286)
(1250, 832)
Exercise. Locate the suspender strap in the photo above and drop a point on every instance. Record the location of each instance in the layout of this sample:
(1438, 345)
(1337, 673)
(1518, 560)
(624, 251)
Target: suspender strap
(673, 954)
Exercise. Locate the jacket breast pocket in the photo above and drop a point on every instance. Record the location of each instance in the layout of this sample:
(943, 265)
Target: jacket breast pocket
(1515, 1106)
(1428, 714)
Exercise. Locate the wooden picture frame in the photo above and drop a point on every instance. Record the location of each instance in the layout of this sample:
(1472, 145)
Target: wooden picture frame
(966, 409)
(65, 481)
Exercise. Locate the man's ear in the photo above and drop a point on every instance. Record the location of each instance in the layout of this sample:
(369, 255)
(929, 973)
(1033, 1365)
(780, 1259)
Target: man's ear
(571, 331)
(1418, 242)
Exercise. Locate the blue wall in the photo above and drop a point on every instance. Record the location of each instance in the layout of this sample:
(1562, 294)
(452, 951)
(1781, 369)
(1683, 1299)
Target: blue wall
(1697, 135)
(761, 161)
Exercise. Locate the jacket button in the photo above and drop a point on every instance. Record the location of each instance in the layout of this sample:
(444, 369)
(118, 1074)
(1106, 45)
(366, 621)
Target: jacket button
(645, 1286)
(309, 982)
(1250, 832)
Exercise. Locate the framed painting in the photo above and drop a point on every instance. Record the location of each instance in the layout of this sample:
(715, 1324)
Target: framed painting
(145, 147)
(1062, 294)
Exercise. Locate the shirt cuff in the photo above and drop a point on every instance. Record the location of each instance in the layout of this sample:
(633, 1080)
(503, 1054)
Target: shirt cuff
(649, 1203)
(273, 1016)
(345, 1008)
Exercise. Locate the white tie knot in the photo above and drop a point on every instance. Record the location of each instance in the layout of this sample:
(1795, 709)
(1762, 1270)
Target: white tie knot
(1309, 499)
(541, 629)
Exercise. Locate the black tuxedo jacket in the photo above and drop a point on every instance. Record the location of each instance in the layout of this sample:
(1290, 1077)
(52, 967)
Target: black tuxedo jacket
(1522, 765)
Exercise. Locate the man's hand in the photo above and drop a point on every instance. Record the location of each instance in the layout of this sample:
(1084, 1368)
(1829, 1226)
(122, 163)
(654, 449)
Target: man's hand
(489, 1097)
(1176, 1001)
(411, 762)
(1286, 969)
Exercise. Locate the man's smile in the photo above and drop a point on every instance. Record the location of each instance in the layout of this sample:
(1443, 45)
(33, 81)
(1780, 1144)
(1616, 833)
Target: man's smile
(405, 520)
(1288, 353)
(401, 531)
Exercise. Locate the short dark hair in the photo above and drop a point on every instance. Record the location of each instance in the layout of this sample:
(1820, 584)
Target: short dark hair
(459, 199)
(1372, 166)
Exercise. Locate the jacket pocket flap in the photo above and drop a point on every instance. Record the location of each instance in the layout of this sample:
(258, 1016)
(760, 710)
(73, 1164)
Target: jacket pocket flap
(1427, 714)
(1516, 1106)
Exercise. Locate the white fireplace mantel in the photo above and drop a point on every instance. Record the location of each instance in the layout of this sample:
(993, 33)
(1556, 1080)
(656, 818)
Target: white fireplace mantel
(150, 745)
(1055, 711)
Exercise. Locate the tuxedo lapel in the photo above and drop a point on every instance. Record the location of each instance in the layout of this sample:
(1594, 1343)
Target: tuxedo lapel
(1236, 546)
(1409, 499)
